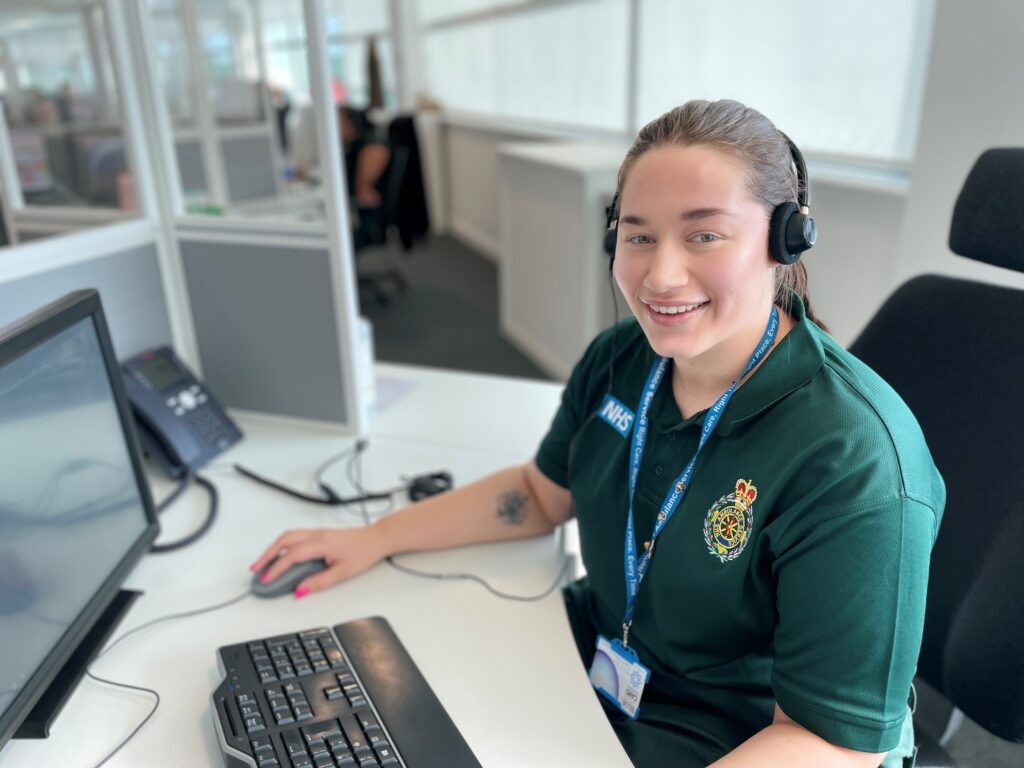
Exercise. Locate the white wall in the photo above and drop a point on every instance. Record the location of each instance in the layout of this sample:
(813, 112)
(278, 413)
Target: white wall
(974, 100)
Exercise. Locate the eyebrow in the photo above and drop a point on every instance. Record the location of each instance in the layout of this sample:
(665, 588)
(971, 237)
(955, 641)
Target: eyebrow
(694, 215)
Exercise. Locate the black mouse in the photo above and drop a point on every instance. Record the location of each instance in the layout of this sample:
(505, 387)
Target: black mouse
(287, 581)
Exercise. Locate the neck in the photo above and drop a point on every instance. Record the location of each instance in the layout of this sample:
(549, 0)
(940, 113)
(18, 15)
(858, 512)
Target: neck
(699, 381)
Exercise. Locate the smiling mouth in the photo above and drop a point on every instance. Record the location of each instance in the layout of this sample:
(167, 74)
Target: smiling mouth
(676, 309)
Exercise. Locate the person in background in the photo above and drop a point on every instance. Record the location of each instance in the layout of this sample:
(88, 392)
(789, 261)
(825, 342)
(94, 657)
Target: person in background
(756, 507)
(366, 161)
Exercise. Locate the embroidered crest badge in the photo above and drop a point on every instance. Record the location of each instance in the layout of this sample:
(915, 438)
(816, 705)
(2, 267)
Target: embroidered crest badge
(729, 522)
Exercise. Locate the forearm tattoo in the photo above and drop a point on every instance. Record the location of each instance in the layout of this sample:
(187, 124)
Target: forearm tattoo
(512, 507)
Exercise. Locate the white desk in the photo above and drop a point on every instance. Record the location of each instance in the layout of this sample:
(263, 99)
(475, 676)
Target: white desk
(507, 673)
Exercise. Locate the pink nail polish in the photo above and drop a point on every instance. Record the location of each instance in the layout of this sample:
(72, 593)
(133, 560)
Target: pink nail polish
(301, 592)
(252, 567)
(263, 578)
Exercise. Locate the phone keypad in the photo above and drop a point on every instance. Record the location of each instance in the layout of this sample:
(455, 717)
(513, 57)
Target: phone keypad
(209, 426)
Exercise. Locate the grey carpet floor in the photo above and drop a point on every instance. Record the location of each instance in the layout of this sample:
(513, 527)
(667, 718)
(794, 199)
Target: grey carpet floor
(447, 317)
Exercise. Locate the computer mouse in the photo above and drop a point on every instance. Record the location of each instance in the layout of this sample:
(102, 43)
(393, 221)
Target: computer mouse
(287, 581)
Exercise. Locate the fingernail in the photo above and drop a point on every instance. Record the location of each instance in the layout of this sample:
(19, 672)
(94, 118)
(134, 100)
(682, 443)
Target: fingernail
(263, 578)
(252, 567)
(301, 592)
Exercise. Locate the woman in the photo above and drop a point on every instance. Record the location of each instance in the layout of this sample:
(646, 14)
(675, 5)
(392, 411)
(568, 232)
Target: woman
(772, 590)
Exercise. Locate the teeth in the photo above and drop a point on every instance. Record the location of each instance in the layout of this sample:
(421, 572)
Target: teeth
(675, 310)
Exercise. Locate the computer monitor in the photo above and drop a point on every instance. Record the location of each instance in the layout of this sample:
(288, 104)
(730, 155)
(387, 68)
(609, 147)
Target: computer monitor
(75, 509)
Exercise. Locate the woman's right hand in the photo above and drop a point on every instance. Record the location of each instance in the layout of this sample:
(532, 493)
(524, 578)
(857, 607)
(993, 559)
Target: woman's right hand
(347, 552)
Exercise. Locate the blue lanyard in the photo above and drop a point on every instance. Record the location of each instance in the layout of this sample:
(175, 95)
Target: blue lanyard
(636, 567)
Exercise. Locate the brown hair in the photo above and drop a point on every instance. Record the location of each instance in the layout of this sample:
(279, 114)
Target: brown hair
(746, 133)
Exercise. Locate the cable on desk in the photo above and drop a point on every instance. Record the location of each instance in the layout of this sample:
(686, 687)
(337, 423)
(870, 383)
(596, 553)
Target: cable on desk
(356, 476)
(330, 496)
(156, 694)
(211, 514)
(146, 719)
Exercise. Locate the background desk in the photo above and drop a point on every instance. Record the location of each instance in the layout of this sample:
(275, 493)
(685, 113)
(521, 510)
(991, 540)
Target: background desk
(508, 673)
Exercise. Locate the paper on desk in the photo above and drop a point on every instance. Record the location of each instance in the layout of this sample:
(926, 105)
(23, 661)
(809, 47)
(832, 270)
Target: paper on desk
(390, 391)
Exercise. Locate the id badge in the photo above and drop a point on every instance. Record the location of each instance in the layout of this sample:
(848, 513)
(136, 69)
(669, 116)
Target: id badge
(618, 675)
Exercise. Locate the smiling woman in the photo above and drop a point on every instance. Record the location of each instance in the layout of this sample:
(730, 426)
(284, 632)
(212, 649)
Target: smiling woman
(785, 489)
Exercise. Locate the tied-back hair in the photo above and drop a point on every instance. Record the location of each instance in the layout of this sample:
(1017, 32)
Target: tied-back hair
(744, 132)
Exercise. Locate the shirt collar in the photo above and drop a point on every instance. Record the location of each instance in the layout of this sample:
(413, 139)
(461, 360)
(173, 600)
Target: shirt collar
(791, 364)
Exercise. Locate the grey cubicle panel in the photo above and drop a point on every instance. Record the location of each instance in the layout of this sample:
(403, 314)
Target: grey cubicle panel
(189, 154)
(266, 327)
(130, 288)
(249, 167)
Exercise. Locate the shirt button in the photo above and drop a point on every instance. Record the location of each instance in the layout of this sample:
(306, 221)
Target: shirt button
(671, 436)
(659, 470)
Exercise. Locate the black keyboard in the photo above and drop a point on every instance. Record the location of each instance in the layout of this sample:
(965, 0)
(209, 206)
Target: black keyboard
(345, 697)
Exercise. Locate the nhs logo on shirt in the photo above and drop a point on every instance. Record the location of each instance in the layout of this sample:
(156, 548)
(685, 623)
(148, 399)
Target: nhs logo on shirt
(618, 416)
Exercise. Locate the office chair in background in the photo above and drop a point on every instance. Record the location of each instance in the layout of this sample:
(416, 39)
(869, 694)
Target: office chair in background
(404, 209)
(954, 350)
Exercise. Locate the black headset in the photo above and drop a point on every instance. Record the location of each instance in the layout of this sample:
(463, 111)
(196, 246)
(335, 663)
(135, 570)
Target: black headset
(790, 232)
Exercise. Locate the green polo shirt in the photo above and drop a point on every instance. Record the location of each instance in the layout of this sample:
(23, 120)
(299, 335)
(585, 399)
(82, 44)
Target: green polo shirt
(810, 593)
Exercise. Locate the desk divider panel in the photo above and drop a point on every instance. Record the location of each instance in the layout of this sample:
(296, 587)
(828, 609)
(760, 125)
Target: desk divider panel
(266, 327)
(130, 288)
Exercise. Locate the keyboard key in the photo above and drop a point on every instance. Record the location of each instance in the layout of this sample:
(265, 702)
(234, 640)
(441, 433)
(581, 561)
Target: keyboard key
(317, 747)
(337, 743)
(321, 731)
(268, 760)
(284, 717)
(303, 712)
(301, 761)
(267, 676)
(261, 744)
(249, 710)
(245, 698)
(303, 669)
(321, 666)
(254, 724)
(369, 762)
(290, 688)
(356, 702)
(323, 760)
(354, 734)
(333, 693)
(368, 721)
(347, 762)
(384, 751)
(293, 742)
(345, 678)
(391, 761)
(376, 736)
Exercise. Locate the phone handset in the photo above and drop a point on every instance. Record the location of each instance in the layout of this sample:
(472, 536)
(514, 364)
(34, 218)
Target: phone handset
(180, 423)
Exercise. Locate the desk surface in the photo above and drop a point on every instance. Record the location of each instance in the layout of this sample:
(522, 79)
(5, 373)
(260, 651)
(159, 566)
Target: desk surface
(508, 673)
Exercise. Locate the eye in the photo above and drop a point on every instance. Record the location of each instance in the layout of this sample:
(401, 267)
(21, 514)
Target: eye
(639, 239)
(706, 237)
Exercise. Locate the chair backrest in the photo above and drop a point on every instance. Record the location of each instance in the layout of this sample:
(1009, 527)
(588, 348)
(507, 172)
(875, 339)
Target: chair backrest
(954, 350)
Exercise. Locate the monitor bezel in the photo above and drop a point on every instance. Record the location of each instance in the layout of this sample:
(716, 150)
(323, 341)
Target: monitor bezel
(16, 340)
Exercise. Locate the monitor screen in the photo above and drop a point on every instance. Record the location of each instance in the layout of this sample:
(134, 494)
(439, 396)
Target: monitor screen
(75, 512)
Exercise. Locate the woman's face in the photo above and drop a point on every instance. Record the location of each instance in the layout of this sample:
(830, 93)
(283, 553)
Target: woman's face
(692, 253)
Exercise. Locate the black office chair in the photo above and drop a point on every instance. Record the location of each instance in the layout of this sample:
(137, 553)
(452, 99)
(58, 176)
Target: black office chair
(954, 350)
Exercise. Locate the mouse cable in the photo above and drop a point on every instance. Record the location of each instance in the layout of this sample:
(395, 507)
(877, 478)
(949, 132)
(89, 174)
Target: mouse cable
(357, 477)
(156, 695)
(211, 515)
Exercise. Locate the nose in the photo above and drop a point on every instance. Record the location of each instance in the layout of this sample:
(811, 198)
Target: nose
(668, 269)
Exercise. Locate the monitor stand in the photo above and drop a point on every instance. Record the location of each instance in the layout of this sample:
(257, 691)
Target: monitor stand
(37, 724)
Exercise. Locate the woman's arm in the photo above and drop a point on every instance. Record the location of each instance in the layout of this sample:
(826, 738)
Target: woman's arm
(785, 744)
(512, 504)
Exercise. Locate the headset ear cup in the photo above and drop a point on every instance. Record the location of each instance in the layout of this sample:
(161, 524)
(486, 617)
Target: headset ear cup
(777, 233)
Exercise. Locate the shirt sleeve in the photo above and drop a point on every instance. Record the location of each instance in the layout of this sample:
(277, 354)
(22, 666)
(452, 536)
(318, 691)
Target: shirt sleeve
(589, 375)
(851, 588)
